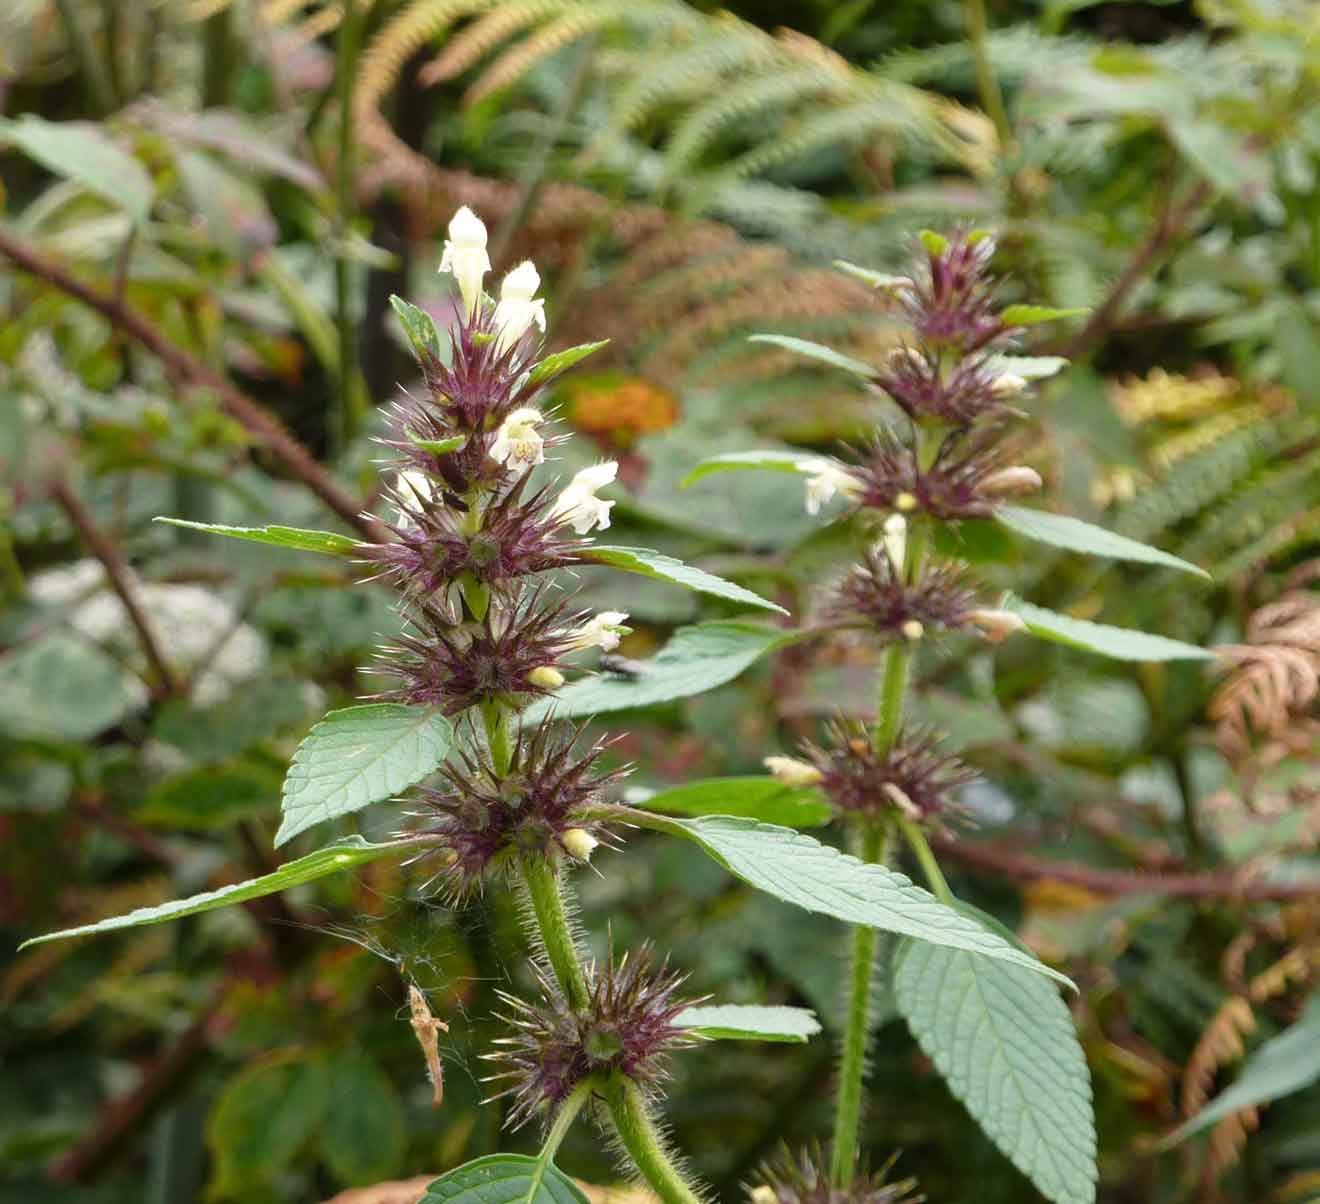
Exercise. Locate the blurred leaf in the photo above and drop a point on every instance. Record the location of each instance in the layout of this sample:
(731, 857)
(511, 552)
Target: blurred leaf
(364, 1137)
(774, 461)
(1120, 643)
(280, 537)
(1029, 367)
(236, 215)
(666, 568)
(210, 798)
(763, 798)
(817, 351)
(873, 278)
(333, 859)
(59, 687)
(80, 151)
(1063, 531)
(1030, 315)
(358, 756)
(503, 1179)
(744, 1022)
(261, 709)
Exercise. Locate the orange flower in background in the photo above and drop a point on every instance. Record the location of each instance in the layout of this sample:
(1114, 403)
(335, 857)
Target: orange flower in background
(617, 408)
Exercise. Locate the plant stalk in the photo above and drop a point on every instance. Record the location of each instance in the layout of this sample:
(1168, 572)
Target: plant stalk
(639, 1136)
(351, 405)
(921, 849)
(987, 85)
(546, 894)
(554, 1138)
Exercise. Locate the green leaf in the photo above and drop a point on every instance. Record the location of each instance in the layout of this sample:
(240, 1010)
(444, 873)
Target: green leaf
(562, 361)
(817, 351)
(873, 278)
(60, 688)
(280, 537)
(1029, 367)
(1121, 643)
(800, 870)
(1063, 531)
(772, 461)
(696, 659)
(358, 756)
(263, 1118)
(342, 855)
(503, 1179)
(365, 1136)
(762, 798)
(1285, 1064)
(421, 330)
(438, 447)
(740, 1022)
(666, 568)
(1030, 315)
(209, 798)
(79, 151)
(935, 244)
(1004, 1042)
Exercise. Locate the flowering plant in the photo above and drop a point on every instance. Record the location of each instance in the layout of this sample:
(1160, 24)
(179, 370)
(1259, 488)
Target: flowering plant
(509, 795)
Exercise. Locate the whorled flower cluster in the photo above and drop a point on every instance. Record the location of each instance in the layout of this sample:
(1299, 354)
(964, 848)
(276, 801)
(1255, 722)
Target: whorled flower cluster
(803, 1178)
(627, 1027)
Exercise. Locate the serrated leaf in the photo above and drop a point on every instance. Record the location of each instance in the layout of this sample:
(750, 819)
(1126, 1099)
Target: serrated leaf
(817, 351)
(81, 152)
(421, 330)
(744, 1022)
(365, 1135)
(342, 855)
(935, 244)
(1004, 1042)
(562, 361)
(696, 659)
(771, 461)
(63, 689)
(438, 447)
(873, 278)
(503, 1179)
(1282, 1065)
(1120, 643)
(666, 568)
(800, 870)
(1029, 367)
(1030, 315)
(1063, 531)
(358, 756)
(763, 798)
(281, 537)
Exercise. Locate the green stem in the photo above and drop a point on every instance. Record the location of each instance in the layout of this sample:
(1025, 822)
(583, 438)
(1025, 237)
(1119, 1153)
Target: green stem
(563, 1122)
(638, 1133)
(987, 86)
(496, 719)
(872, 847)
(916, 839)
(350, 399)
(100, 95)
(543, 889)
(893, 686)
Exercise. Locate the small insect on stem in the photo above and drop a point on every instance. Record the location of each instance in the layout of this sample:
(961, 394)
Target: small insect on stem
(427, 1029)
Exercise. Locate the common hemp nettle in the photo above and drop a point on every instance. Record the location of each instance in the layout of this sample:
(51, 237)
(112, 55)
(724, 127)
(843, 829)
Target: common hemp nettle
(477, 735)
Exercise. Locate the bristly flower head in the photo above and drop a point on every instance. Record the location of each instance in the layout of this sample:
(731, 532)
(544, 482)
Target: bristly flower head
(952, 303)
(913, 776)
(627, 1027)
(874, 595)
(481, 821)
(804, 1179)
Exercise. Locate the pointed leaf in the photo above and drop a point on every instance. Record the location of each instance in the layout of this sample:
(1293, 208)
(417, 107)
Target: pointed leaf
(438, 447)
(696, 659)
(763, 798)
(1063, 531)
(1121, 643)
(342, 855)
(1004, 1042)
(1029, 367)
(503, 1179)
(562, 361)
(935, 244)
(817, 351)
(358, 756)
(281, 537)
(1030, 315)
(873, 278)
(741, 1022)
(421, 330)
(770, 461)
(666, 568)
(800, 870)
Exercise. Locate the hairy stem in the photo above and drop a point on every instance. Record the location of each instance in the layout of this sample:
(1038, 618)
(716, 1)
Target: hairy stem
(920, 847)
(558, 1130)
(638, 1133)
(872, 845)
(546, 894)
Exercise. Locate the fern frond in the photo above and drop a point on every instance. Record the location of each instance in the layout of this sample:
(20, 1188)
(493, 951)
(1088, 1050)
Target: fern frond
(471, 44)
(563, 31)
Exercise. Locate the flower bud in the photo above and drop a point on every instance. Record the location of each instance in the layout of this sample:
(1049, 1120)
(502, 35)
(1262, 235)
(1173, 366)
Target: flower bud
(904, 358)
(896, 795)
(996, 624)
(1011, 482)
(518, 307)
(906, 502)
(825, 478)
(1008, 384)
(465, 256)
(547, 677)
(913, 629)
(764, 1194)
(896, 541)
(579, 843)
(791, 772)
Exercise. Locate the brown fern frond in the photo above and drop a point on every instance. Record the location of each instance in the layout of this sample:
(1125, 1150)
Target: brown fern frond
(511, 66)
(1219, 1044)
(1296, 966)
(473, 43)
(1227, 1141)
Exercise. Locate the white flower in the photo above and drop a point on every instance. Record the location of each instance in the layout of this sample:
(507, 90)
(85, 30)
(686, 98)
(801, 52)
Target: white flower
(1009, 482)
(579, 505)
(996, 624)
(519, 306)
(1008, 384)
(414, 486)
(825, 478)
(579, 843)
(896, 541)
(602, 632)
(465, 256)
(517, 444)
(792, 772)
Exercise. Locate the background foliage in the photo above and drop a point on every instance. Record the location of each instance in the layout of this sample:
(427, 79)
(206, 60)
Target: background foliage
(241, 185)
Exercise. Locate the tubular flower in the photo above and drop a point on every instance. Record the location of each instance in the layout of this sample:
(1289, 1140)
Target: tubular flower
(578, 506)
(482, 822)
(804, 1179)
(792, 772)
(602, 632)
(912, 776)
(465, 256)
(518, 307)
(517, 445)
(627, 1027)
(875, 596)
(825, 478)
